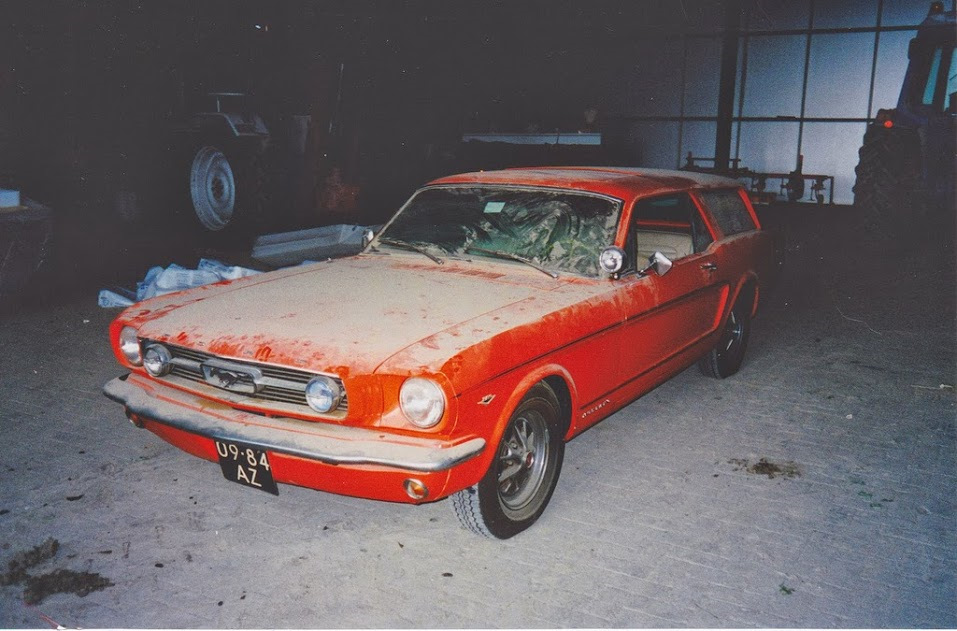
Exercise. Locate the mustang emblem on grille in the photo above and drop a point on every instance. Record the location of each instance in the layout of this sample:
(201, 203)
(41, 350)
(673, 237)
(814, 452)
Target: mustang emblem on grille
(232, 377)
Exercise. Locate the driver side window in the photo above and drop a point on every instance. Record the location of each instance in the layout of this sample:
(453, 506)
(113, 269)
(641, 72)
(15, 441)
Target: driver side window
(670, 224)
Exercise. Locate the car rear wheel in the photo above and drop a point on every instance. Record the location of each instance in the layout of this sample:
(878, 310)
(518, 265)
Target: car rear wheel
(725, 358)
(522, 477)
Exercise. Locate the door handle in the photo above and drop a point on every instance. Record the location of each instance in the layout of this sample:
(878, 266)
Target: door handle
(709, 266)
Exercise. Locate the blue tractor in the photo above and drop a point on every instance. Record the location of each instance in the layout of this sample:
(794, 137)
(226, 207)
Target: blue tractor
(905, 176)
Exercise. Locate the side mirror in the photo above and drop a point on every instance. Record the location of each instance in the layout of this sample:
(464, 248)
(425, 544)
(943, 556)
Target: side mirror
(659, 263)
(367, 238)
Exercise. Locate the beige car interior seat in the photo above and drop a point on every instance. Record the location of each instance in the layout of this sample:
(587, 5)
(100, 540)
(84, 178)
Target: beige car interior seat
(672, 244)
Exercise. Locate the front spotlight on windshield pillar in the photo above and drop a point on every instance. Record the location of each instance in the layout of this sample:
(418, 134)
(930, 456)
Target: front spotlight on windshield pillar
(612, 260)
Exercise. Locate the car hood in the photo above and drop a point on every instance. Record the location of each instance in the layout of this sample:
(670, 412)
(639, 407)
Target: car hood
(349, 316)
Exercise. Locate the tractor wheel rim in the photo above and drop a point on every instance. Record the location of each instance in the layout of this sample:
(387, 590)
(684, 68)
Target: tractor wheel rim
(212, 187)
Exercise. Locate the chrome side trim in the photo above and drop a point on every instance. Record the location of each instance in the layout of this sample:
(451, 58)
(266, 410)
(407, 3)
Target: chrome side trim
(322, 442)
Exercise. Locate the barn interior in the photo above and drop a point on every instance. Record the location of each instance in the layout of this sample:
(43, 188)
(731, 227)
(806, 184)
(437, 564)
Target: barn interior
(816, 488)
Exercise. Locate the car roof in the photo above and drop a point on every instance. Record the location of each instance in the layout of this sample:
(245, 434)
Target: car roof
(620, 182)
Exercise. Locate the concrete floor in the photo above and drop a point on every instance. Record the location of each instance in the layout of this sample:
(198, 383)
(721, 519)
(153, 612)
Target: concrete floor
(662, 516)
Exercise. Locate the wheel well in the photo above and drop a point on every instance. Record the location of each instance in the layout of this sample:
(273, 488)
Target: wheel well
(560, 388)
(748, 295)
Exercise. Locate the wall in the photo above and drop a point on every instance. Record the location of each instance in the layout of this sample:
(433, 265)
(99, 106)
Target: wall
(804, 86)
(88, 89)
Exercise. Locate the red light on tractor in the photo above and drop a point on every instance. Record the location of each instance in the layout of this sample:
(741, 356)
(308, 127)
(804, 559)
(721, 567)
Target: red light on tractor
(885, 118)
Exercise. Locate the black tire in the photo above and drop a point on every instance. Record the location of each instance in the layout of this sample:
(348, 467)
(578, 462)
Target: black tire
(226, 186)
(727, 355)
(888, 191)
(522, 477)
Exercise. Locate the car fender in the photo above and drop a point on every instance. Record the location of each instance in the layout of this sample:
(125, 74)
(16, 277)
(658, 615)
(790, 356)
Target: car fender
(501, 397)
(758, 246)
(748, 282)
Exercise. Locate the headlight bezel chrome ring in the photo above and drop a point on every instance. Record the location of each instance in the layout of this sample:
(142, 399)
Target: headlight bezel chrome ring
(163, 355)
(422, 401)
(129, 346)
(612, 260)
(333, 393)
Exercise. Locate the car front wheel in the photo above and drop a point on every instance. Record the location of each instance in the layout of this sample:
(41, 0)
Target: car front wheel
(522, 477)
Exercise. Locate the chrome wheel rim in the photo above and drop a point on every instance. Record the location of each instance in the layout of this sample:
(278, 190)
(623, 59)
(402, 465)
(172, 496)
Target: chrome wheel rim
(523, 460)
(212, 188)
(733, 336)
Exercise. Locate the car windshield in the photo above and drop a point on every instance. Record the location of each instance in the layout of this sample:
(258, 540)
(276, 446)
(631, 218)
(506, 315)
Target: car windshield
(554, 230)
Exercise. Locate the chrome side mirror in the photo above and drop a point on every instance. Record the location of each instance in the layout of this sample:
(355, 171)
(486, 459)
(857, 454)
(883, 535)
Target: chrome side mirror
(659, 263)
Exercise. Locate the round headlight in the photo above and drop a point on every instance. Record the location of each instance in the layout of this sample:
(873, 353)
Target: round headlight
(130, 346)
(422, 401)
(612, 260)
(157, 360)
(323, 394)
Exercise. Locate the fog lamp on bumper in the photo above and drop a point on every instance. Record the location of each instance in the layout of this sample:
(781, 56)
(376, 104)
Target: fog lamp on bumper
(416, 489)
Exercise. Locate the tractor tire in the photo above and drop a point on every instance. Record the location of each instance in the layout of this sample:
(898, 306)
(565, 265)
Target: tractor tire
(888, 192)
(226, 188)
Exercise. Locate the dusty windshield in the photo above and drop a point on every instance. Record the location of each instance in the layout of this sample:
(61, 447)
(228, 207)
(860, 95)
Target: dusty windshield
(558, 231)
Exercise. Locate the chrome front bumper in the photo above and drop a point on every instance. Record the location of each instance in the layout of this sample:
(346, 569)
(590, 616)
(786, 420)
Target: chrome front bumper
(322, 442)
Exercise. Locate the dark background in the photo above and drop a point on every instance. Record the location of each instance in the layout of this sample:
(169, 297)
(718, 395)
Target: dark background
(90, 92)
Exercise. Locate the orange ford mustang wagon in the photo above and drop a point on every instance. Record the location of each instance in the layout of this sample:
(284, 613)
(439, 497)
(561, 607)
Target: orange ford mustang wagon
(493, 318)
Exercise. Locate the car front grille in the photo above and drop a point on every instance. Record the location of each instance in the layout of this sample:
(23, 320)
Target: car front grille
(283, 386)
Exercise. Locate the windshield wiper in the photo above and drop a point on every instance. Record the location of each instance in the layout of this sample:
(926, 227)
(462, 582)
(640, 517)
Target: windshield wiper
(512, 257)
(411, 246)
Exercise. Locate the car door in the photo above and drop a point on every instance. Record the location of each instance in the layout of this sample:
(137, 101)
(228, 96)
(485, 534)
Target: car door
(744, 250)
(668, 318)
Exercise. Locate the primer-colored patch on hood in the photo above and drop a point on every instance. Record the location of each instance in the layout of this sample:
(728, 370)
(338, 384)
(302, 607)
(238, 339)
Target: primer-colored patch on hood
(347, 316)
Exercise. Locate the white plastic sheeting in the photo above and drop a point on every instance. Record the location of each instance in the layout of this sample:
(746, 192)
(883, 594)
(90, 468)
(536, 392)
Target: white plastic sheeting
(159, 281)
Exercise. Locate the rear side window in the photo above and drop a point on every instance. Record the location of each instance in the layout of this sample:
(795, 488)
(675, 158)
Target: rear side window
(728, 210)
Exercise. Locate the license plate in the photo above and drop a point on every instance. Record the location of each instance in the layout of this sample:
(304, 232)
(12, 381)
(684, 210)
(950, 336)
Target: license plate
(246, 464)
